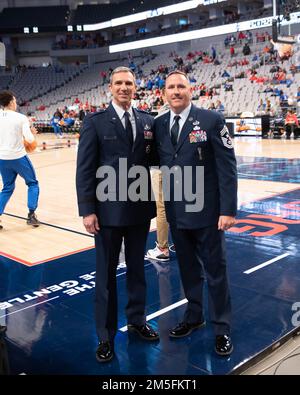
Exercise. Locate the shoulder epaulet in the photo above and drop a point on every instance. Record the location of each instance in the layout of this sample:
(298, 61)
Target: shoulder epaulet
(100, 112)
(161, 114)
(143, 111)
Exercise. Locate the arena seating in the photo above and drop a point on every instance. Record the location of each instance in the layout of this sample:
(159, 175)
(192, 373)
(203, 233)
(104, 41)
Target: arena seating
(44, 86)
(31, 83)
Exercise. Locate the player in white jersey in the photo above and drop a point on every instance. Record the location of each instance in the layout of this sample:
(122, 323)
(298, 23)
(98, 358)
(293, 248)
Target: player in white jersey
(14, 129)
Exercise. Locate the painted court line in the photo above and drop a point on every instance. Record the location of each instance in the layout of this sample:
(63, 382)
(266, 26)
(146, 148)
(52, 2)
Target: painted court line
(159, 312)
(253, 269)
(28, 307)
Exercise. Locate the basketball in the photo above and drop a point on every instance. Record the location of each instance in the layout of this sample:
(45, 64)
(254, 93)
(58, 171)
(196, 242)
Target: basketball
(30, 147)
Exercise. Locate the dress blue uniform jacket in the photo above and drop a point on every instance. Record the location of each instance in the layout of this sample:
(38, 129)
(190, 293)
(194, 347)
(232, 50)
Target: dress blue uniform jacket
(203, 141)
(103, 141)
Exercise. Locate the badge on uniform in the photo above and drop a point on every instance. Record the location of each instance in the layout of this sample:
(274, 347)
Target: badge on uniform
(198, 136)
(148, 135)
(225, 137)
(148, 149)
(196, 122)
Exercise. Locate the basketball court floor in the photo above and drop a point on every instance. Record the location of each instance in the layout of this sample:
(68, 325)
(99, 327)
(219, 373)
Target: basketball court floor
(47, 275)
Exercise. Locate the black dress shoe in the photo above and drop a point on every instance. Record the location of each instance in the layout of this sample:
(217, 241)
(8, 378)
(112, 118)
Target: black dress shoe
(185, 328)
(104, 352)
(145, 331)
(223, 345)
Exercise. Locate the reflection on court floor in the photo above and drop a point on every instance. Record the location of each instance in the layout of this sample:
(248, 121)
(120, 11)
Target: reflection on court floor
(47, 275)
(49, 308)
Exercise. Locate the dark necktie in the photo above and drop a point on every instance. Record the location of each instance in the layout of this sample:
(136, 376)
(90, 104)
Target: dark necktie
(175, 130)
(128, 127)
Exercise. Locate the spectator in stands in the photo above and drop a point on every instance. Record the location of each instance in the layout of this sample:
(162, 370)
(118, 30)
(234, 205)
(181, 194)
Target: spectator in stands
(132, 66)
(261, 106)
(241, 75)
(290, 122)
(225, 74)
(213, 53)
(283, 98)
(55, 123)
(290, 101)
(68, 120)
(249, 37)
(103, 75)
(268, 108)
(268, 89)
(220, 106)
(293, 69)
(228, 87)
(277, 92)
(246, 50)
(241, 36)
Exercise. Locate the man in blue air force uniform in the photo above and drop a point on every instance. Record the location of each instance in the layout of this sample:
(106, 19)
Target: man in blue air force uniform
(118, 133)
(189, 136)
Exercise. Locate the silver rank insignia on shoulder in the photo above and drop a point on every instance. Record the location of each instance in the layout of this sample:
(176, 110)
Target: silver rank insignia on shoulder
(225, 137)
(147, 127)
(196, 122)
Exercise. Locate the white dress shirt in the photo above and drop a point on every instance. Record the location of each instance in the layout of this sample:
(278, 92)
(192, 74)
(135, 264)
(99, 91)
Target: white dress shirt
(183, 117)
(120, 111)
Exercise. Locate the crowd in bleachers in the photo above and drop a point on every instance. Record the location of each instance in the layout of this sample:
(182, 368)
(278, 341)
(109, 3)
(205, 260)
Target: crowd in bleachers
(259, 82)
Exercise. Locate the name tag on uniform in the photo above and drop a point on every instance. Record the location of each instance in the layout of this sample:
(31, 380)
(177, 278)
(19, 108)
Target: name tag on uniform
(148, 135)
(198, 136)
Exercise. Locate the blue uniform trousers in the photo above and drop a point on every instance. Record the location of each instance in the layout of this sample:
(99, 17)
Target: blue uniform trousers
(201, 253)
(108, 245)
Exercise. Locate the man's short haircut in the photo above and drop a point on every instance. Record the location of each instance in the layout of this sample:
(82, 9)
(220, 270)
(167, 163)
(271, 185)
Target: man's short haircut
(5, 98)
(121, 69)
(177, 72)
